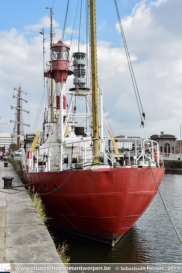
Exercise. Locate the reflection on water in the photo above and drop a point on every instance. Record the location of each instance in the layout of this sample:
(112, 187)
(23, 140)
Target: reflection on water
(151, 240)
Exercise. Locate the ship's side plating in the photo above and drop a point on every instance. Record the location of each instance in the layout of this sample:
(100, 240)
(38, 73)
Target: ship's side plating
(100, 203)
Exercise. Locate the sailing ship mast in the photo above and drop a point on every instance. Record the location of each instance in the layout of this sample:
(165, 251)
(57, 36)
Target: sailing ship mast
(95, 127)
(19, 109)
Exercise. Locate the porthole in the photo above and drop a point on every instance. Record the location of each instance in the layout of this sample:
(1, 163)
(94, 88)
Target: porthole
(45, 186)
(56, 188)
(38, 187)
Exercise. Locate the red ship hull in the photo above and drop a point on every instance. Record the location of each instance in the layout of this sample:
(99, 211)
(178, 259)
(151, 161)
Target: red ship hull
(101, 204)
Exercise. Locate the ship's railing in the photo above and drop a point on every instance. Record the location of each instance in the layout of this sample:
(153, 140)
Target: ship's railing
(133, 151)
(130, 152)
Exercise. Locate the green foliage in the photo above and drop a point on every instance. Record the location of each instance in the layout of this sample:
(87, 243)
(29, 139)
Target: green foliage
(37, 202)
(62, 253)
(13, 147)
(16, 165)
(31, 193)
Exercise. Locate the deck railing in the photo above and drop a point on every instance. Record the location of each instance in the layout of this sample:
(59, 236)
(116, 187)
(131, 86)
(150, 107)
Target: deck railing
(131, 152)
(137, 151)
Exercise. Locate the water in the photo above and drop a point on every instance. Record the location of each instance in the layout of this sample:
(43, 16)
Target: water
(151, 240)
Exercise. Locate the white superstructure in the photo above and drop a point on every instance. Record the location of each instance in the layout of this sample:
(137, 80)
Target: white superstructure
(67, 141)
(6, 140)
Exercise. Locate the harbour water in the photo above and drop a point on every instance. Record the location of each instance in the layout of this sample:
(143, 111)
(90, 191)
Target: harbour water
(151, 240)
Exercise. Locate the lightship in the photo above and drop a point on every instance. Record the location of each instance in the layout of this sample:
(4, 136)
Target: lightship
(88, 183)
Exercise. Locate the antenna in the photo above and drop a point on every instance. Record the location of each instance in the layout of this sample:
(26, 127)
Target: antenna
(43, 56)
(51, 42)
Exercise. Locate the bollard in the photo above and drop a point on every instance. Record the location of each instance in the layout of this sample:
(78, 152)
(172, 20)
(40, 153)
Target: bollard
(8, 182)
(5, 164)
(5, 158)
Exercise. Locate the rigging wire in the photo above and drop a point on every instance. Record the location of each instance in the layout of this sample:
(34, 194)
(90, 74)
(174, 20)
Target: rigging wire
(165, 204)
(108, 120)
(69, 23)
(39, 110)
(106, 115)
(74, 23)
(80, 26)
(87, 43)
(86, 114)
(17, 191)
(40, 106)
(28, 114)
(65, 21)
(36, 182)
(138, 99)
(53, 4)
(85, 164)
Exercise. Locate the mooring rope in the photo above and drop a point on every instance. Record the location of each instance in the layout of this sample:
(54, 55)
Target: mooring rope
(165, 206)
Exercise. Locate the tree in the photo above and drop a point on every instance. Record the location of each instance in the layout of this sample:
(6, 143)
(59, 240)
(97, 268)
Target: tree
(13, 147)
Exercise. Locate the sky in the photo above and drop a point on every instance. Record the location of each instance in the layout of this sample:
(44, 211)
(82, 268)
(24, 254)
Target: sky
(154, 37)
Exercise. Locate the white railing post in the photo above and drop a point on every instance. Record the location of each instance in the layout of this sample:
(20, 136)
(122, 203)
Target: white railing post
(60, 158)
(62, 91)
(37, 164)
(80, 151)
(68, 113)
(45, 161)
(143, 151)
(157, 152)
(84, 151)
(49, 162)
(101, 122)
(152, 151)
(61, 117)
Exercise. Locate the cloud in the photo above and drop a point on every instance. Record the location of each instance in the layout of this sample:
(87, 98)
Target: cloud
(69, 33)
(158, 64)
(21, 62)
(44, 23)
(102, 25)
(155, 49)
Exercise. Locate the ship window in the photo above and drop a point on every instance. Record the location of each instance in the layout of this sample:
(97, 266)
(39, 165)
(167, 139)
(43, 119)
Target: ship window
(56, 188)
(60, 53)
(45, 186)
(49, 128)
(38, 187)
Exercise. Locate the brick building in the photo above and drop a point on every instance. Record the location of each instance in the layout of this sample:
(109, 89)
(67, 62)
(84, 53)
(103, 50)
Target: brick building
(178, 146)
(167, 143)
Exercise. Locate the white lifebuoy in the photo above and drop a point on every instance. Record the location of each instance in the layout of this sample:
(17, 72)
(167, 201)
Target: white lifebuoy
(29, 161)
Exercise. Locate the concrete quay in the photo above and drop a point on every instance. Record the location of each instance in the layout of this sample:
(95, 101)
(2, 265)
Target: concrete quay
(23, 236)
